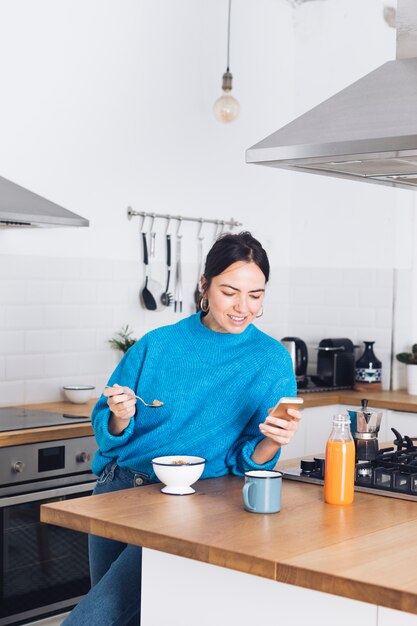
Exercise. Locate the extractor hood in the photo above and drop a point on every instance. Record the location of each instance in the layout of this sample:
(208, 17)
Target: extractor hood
(22, 208)
(367, 131)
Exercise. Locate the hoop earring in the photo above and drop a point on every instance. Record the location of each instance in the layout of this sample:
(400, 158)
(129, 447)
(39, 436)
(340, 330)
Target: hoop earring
(261, 313)
(204, 303)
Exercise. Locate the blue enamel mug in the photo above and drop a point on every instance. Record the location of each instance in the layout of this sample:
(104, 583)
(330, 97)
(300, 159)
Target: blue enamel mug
(262, 491)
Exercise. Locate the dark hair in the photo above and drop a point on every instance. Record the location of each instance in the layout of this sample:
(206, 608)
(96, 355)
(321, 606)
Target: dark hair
(230, 248)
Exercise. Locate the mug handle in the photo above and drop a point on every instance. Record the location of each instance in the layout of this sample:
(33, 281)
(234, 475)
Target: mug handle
(245, 492)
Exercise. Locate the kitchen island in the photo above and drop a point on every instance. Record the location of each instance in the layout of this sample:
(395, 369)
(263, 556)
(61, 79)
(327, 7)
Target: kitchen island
(312, 561)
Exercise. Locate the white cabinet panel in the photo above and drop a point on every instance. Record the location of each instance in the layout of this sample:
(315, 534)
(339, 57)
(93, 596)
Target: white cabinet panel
(318, 424)
(405, 423)
(181, 592)
(389, 617)
(296, 447)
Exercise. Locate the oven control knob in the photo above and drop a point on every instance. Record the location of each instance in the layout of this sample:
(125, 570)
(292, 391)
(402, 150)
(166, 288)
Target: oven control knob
(18, 467)
(83, 457)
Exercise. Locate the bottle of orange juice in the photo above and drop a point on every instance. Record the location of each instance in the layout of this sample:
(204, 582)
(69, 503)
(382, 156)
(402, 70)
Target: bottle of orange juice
(339, 469)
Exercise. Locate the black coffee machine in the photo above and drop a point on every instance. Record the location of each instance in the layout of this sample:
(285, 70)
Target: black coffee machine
(299, 356)
(335, 363)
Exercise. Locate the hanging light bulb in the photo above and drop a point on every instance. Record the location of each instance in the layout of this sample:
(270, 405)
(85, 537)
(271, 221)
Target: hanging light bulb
(226, 108)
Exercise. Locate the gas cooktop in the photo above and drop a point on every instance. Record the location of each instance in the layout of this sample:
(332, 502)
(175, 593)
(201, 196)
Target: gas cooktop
(392, 473)
(14, 418)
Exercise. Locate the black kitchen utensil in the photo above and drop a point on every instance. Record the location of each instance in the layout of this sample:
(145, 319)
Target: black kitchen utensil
(178, 278)
(197, 292)
(166, 297)
(145, 295)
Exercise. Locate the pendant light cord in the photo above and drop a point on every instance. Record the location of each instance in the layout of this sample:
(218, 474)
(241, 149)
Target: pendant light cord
(228, 35)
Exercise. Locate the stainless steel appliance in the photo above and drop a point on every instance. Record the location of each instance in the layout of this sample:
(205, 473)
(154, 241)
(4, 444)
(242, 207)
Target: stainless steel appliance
(335, 363)
(299, 357)
(367, 131)
(43, 569)
(20, 207)
(365, 426)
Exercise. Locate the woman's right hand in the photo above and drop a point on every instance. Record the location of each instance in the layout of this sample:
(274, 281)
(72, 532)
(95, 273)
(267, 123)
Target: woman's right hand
(122, 404)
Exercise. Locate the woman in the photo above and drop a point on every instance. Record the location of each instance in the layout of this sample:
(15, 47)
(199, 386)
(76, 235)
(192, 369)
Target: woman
(218, 376)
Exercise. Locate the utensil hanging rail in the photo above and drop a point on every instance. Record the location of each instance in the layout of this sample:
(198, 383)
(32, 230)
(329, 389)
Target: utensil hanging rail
(131, 213)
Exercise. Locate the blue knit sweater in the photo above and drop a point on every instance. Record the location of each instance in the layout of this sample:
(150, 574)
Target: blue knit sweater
(216, 389)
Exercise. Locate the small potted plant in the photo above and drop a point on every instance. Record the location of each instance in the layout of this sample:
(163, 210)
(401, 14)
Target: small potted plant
(123, 340)
(410, 359)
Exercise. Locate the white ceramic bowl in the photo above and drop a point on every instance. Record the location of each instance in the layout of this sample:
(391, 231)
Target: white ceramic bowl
(178, 472)
(78, 394)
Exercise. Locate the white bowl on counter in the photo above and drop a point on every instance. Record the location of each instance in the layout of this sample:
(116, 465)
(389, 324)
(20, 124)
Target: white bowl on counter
(178, 472)
(78, 394)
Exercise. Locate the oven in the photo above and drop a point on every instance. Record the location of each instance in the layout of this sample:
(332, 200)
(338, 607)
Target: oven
(43, 569)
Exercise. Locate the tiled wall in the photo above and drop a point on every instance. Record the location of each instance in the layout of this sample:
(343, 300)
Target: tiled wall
(352, 303)
(57, 314)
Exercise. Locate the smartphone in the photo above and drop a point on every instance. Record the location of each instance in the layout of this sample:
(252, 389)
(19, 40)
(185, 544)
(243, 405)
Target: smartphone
(280, 409)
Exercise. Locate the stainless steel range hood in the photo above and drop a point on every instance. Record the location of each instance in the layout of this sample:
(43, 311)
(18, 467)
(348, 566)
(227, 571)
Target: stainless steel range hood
(366, 132)
(22, 208)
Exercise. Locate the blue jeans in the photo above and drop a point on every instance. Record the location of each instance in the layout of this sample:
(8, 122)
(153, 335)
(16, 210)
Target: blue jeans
(115, 567)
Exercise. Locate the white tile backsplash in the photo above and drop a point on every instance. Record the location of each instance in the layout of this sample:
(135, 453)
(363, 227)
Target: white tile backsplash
(11, 342)
(62, 316)
(24, 316)
(352, 303)
(43, 291)
(79, 292)
(12, 392)
(57, 315)
(62, 364)
(41, 341)
(26, 366)
(79, 340)
(323, 315)
(12, 292)
(357, 316)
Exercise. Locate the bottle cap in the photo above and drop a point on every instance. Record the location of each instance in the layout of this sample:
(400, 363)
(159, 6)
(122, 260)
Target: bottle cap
(341, 418)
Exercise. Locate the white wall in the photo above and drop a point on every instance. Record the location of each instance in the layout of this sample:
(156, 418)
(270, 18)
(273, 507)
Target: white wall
(109, 104)
(342, 223)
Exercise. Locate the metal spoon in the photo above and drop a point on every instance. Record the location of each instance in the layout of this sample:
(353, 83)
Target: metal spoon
(155, 404)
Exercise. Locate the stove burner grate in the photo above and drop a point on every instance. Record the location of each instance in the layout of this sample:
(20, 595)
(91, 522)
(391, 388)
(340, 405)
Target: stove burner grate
(393, 471)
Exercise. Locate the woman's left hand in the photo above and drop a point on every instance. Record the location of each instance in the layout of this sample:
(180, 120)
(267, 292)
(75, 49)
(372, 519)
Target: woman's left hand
(279, 430)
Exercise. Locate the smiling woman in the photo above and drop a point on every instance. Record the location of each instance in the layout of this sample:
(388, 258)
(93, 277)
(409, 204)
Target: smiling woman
(233, 283)
(218, 376)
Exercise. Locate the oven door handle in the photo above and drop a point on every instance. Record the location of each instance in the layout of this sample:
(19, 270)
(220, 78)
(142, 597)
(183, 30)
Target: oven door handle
(45, 495)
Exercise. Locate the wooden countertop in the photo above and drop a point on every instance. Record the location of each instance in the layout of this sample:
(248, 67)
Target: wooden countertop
(366, 551)
(51, 433)
(394, 400)
(398, 400)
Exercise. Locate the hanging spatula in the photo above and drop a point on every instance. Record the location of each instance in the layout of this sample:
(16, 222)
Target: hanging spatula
(145, 295)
